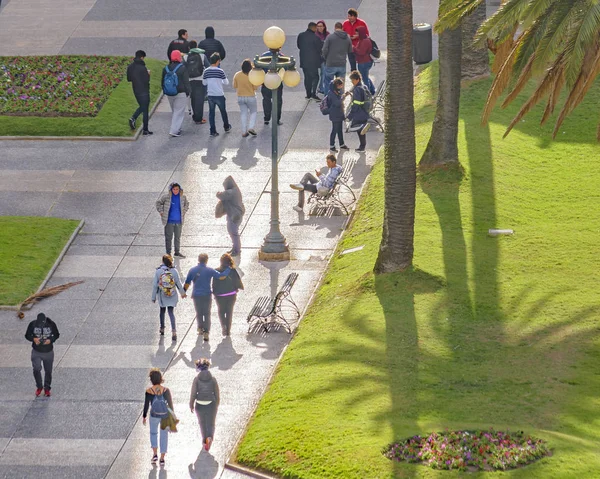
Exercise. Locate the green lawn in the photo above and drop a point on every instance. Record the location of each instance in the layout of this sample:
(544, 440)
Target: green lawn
(110, 121)
(500, 332)
(29, 247)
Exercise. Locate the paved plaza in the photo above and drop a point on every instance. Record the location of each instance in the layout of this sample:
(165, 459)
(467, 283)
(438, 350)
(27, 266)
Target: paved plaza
(91, 427)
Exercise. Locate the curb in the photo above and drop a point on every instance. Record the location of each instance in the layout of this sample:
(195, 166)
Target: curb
(247, 472)
(87, 138)
(50, 273)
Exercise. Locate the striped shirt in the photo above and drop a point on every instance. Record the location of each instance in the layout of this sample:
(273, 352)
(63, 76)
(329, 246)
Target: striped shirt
(214, 78)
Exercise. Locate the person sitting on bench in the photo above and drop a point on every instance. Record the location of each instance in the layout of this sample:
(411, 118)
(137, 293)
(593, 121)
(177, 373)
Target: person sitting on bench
(320, 184)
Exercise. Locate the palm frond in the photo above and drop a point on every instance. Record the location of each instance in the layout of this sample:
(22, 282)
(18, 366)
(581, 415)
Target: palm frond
(453, 11)
(45, 293)
(521, 82)
(559, 83)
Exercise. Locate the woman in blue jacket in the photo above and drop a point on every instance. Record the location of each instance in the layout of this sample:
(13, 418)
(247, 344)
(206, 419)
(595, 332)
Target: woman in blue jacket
(335, 101)
(359, 114)
(165, 287)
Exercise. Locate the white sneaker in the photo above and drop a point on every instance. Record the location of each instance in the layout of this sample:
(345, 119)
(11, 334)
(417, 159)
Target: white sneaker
(298, 209)
(365, 129)
(297, 186)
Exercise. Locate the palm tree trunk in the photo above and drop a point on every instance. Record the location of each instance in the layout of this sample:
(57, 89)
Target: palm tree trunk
(475, 60)
(442, 148)
(396, 248)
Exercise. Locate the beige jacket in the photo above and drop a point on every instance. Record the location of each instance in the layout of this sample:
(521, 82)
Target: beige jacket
(163, 205)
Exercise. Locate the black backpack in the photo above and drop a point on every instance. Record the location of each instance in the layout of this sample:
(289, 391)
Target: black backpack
(375, 51)
(195, 65)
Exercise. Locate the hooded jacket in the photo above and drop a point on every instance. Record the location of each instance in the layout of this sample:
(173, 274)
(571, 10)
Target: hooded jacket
(358, 114)
(44, 329)
(163, 205)
(211, 45)
(336, 48)
(325, 34)
(204, 388)
(138, 75)
(363, 48)
(310, 46)
(180, 44)
(336, 104)
(203, 57)
(183, 85)
(231, 198)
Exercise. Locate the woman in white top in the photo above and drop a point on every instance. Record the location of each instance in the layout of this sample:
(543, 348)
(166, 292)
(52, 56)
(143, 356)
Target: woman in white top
(246, 93)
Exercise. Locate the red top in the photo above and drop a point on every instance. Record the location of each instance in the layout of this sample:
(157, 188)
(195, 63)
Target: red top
(363, 50)
(350, 29)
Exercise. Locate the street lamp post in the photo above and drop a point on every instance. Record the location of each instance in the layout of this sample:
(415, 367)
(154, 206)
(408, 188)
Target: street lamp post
(278, 68)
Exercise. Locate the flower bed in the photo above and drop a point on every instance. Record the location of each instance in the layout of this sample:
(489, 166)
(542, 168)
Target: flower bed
(469, 450)
(58, 85)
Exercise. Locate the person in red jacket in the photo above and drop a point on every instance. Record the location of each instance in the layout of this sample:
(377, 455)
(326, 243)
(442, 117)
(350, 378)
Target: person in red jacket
(350, 27)
(362, 52)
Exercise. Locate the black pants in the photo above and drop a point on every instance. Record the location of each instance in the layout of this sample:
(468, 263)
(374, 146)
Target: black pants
(144, 105)
(225, 306)
(352, 60)
(197, 97)
(267, 97)
(336, 129)
(362, 139)
(207, 415)
(311, 81)
(47, 359)
(202, 305)
(310, 184)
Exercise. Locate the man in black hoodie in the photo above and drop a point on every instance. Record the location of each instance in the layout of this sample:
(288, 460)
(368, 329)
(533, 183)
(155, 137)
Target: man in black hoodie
(42, 332)
(211, 45)
(139, 76)
(180, 43)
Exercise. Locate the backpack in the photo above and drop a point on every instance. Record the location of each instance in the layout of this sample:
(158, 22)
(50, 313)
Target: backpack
(160, 407)
(166, 282)
(375, 51)
(171, 81)
(324, 105)
(195, 65)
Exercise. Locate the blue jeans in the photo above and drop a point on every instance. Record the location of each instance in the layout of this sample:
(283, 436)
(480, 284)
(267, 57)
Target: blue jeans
(164, 435)
(364, 69)
(330, 73)
(213, 102)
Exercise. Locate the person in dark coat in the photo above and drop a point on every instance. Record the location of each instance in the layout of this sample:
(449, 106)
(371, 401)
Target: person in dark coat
(42, 332)
(211, 45)
(180, 43)
(310, 45)
(358, 115)
(225, 292)
(232, 206)
(335, 101)
(204, 400)
(139, 76)
(267, 97)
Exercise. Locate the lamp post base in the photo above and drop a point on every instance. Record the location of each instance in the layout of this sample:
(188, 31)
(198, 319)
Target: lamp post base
(269, 257)
(274, 251)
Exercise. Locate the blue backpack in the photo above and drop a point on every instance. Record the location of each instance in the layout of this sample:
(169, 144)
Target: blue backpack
(171, 81)
(159, 406)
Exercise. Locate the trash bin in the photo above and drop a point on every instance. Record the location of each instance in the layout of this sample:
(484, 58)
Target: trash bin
(422, 43)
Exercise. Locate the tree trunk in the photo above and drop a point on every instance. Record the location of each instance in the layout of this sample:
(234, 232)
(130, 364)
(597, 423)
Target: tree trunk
(442, 148)
(396, 248)
(475, 60)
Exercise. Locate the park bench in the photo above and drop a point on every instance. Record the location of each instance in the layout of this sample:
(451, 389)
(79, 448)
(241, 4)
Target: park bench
(340, 194)
(269, 311)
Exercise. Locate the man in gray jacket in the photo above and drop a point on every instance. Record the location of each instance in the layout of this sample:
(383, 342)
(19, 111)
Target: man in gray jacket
(335, 50)
(231, 204)
(172, 208)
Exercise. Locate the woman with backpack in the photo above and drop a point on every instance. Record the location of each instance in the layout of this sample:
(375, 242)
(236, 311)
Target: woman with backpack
(165, 286)
(335, 104)
(364, 62)
(204, 400)
(359, 111)
(159, 401)
(225, 292)
(176, 86)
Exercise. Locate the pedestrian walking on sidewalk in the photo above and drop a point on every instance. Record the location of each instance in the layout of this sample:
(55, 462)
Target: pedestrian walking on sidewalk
(231, 205)
(196, 61)
(176, 86)
(139, 76)
(359, 112)
(172, 208)
(158, 399)
(180, 43)
(214, 78)
(211, 45)
(267, 97)
(226, 292)
(42, 332)
(246, 97)
(201, 275)
(310, 46)
(165, 287)
(322, 33)
(335, 103)
(204, 400)
(350, 25)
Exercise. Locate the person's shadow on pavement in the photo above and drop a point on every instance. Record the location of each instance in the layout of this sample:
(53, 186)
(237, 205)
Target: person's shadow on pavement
(214, 154)
(201, 350)
(245, 156)
(225, 356)
(157, 473)
(205, 467)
